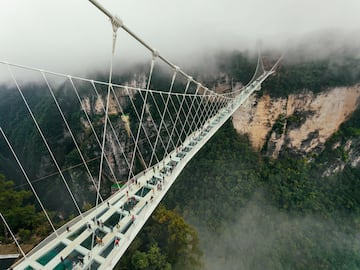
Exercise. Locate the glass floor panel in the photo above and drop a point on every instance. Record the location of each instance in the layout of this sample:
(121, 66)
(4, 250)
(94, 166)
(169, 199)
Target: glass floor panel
(70, 261)
(113, 220)
(47, 257)
(127, 227)
(130, 204)
(142, 192)
(89, 241)
(108, 249)
(77, 233)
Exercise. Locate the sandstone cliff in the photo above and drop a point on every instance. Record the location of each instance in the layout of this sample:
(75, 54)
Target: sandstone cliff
(302, 122)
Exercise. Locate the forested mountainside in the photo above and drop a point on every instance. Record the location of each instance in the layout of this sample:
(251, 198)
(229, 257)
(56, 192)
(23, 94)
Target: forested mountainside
(25, 138)
(282, 190)
(278, 194)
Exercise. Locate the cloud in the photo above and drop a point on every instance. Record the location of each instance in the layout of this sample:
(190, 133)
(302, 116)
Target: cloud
(262, 237)
(74, 37)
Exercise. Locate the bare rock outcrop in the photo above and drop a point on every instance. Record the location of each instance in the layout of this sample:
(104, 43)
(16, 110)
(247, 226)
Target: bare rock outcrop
(302, 122)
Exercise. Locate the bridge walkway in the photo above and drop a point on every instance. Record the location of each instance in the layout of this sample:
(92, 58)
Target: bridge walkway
(101, 237)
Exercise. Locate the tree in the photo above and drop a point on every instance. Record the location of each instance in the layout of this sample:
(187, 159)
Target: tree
(166, 242)
(139, 260)
(181, 245)
(21, 216)
(157, 261)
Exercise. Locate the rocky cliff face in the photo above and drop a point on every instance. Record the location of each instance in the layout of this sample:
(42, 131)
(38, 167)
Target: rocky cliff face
(302, 122)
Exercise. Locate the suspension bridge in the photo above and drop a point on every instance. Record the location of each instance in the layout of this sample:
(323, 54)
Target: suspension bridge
(169, 128)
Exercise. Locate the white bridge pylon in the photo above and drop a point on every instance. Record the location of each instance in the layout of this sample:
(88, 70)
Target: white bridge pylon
(168, 128)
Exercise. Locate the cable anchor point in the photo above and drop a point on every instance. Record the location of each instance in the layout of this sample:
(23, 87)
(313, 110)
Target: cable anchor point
(155, 53)
(116, 24)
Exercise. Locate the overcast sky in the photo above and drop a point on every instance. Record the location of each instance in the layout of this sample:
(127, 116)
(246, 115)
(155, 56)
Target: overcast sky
(72, 35)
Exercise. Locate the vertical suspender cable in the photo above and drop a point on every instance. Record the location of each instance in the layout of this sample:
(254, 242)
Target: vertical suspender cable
(177, 117)
(142, 112)
(131, 135)
(115, 28)
(114, 132)
(44, 140)
(91, 125)
(71, 134)
(187, 120)
(165, 108)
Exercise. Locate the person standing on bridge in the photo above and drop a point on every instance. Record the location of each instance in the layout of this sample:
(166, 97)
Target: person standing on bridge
(133, 219)
(81, 260)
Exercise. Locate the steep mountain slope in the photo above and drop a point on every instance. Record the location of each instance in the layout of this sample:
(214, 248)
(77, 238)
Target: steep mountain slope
(302, 122)
(252, 211)
(298, 211)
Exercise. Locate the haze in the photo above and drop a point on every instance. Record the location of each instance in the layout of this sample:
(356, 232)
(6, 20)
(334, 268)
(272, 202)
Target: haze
(74, 37)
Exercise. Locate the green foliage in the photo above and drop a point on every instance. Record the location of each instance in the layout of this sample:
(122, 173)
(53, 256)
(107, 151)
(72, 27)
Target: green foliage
(313, 75)
(240, 66)
(139, 260)
(298, 185)
(21, 130)
(166, 242)
(219, 179)
(157, 260)
(290, 185)
(278, 126)
(353, 131)
(25, 235)
(21, 216)
(151, 260)
(219, 183)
